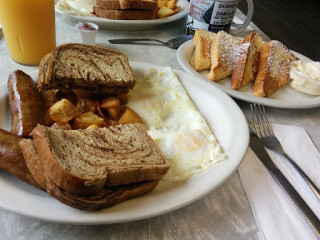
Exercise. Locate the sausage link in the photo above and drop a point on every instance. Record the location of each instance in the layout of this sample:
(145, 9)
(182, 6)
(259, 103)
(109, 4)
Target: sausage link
(25, 103)
(11, 158)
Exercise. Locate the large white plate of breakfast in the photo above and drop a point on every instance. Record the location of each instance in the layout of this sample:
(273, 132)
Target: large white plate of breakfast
(109, 141)
(252, 70)
(124, 15)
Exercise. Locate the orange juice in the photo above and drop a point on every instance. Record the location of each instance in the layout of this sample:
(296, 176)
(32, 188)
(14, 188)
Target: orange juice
(29, 29)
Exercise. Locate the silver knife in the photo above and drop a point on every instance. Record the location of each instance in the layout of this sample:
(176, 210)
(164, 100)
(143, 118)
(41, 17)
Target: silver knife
(305, 211)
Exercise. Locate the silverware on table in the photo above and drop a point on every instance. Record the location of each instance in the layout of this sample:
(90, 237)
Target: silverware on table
(267, 137)
(305, 211)
(172, 43)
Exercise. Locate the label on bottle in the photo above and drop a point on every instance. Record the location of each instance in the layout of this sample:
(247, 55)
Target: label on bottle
(210, 15)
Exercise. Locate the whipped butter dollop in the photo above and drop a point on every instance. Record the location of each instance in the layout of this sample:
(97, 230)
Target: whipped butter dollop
(305, 77)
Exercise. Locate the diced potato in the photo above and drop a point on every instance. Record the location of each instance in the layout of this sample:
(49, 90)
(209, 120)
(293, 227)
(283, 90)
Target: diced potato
(129, 116)
(161, 3)
(93, 126)
(114, 112)
(63, 126)
(87, 105)
(171, 4)
(165, 12)
(84, 120)
(101, 114)
(110, 102)
(63, 111)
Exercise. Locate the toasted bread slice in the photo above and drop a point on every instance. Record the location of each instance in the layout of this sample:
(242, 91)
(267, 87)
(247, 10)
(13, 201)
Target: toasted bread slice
(106, 197)
(98, 69)
(125, 14)
(247, 61)
(224, 49)
(43, 69)
(126, 4)
(84, 161)
(274, 68)
(201, 57)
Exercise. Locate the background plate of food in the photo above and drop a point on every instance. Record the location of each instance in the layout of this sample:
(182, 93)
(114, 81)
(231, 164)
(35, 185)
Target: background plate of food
(83, 11)
(285, 97)
(222, 115)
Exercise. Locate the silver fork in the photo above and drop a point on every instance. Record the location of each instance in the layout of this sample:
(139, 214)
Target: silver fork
(265, 134)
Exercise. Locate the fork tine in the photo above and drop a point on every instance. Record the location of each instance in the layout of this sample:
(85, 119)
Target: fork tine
(260, 120)
(266, 123)
(255, 119)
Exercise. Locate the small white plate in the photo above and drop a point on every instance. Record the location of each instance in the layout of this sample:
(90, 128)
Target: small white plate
(286, 97)
(105, 23)
(224, 118)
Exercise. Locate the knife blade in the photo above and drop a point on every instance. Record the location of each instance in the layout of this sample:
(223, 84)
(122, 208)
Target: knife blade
(305, 211)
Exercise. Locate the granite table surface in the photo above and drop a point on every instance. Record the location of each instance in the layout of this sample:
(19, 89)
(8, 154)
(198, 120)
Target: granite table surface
(225, 213)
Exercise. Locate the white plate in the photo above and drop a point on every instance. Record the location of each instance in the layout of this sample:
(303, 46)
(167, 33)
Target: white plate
(105, 23)
(285, 97)
(223, 116)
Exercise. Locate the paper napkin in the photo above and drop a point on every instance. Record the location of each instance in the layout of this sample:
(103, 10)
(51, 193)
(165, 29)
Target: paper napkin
(275, 214)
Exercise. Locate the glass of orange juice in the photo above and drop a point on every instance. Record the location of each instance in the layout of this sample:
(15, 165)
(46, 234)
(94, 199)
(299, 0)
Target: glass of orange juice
(29, 29)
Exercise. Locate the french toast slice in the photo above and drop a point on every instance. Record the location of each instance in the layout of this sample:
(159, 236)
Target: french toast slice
(224, 48)
(247, 61)
(274, 68)
(201, 57)
(84, 161)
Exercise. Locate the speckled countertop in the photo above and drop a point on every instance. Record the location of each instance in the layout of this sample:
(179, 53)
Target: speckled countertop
(225, 213)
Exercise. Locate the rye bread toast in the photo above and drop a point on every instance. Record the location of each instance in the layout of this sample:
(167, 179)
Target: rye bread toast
(126, 4)
(80, 66)
(84, 161)
(106, 197)
(125, 14)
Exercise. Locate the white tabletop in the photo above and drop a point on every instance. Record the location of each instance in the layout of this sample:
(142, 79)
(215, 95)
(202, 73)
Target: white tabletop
(223, 214)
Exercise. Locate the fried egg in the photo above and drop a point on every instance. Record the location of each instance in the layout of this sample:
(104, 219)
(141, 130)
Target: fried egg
(175, 124)
(76, 7)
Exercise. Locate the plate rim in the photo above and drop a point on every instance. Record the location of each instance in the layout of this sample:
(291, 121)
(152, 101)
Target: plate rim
(105, 23)
(243, 133)
(270, 102)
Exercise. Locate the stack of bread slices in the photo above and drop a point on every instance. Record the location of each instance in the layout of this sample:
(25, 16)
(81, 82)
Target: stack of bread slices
(126, 9)
(97, 168)
(251, 60)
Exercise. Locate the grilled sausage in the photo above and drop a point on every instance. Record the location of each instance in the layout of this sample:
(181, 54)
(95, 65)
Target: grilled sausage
(11, 158)
(25, 103)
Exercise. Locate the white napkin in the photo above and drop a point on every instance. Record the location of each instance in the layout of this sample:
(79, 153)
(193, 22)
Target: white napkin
(275, 214)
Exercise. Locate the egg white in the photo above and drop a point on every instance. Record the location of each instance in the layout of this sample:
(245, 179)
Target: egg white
(76, 7)
(175, 124)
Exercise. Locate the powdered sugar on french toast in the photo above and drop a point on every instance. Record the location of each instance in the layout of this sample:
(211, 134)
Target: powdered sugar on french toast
(279, 60)
(229, 47)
